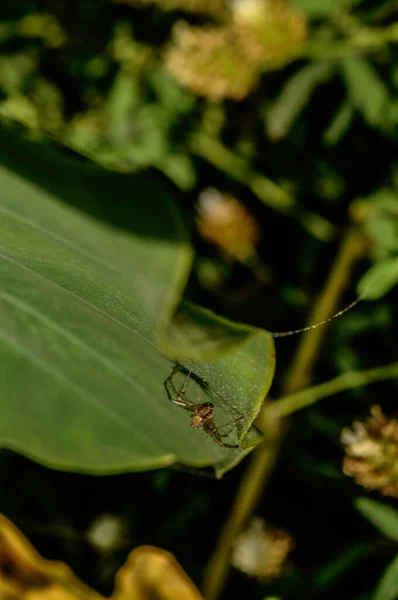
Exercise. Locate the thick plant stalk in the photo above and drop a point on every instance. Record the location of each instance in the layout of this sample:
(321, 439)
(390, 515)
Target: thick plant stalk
(299, 375)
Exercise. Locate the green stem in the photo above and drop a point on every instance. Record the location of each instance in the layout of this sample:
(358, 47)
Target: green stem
(298, 375)
(367, 39)
(294, 402)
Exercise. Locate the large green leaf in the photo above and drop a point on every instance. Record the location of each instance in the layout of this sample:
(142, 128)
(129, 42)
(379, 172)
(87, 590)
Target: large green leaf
(87, 300)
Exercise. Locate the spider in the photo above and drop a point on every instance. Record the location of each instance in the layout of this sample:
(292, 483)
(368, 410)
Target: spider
(202, 414)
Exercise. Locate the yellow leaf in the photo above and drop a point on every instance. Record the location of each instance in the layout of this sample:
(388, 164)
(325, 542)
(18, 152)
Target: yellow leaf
(148, 573)
(151, 572)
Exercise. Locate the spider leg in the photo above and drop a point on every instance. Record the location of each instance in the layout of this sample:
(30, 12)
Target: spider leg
(213, 432)
(230, 428)
(199, 418)
(187, 378)
(168, 383)
(178, 397)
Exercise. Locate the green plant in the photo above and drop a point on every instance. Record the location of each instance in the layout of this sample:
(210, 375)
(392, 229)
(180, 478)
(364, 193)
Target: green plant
(276, 123)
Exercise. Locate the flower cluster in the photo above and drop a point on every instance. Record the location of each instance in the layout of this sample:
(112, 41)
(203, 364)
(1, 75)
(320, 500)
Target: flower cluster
(208, 61)
(226, 223)
(372, 452)
(226, 61)
(261, 551)
(271, 32)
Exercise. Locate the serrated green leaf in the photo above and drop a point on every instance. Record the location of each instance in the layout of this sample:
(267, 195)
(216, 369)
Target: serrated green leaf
(388, 585)
(86, 299)
(384, 517)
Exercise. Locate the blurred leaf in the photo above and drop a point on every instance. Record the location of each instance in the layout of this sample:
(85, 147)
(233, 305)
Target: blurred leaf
(149, 572)
(175, 99)
(25, 574)
(128, 132)
(388, 585)
(382, 222)
(338, 566)
(294, 97)
(382, 516)
(312, 467)
(379, 279)
(123, 103)
(15, 70)
(379, 215)
(339, 124)
(85, 305)
(315, 8)
(179, 168)
(367, 91)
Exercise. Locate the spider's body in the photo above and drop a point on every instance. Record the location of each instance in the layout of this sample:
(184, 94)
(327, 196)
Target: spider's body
(202, 414)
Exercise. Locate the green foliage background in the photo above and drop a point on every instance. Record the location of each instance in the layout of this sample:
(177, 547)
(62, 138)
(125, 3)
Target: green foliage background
(309, 149)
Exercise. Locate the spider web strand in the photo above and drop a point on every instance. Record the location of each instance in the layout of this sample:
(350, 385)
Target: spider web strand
(280, 334)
